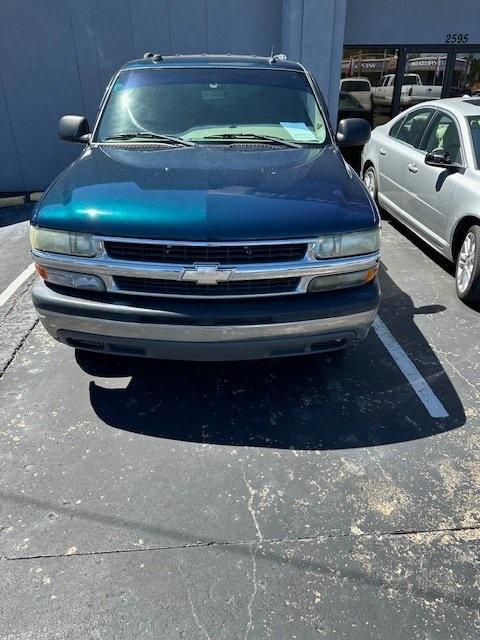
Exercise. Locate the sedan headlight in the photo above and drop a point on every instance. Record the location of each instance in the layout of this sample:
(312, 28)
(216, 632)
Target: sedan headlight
(53, 241)
(347, 244)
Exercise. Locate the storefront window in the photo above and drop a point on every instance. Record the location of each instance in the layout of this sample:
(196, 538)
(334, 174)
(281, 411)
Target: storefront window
(423, 79)
(368, 85)
(364, 72)
(466, 77)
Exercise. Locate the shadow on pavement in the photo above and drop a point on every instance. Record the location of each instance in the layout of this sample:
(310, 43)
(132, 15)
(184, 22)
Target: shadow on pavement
(345, 400)
(425, 248)
(16, 214)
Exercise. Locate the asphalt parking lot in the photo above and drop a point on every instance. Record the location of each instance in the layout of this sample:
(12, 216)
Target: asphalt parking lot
(300, 498)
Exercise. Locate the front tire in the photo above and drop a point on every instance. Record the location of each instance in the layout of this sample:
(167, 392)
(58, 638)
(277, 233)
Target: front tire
(467, 272)
(370, 182)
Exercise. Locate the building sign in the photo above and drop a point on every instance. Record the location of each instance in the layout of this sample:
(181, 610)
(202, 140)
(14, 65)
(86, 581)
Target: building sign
(435, 63)
(355, 66)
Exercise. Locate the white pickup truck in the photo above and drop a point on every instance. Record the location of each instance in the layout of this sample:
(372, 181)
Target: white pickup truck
(413, 91)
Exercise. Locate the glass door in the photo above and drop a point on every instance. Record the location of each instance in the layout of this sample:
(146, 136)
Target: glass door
(377, 83)
(466, 75)
(365, 70)
(424, 77)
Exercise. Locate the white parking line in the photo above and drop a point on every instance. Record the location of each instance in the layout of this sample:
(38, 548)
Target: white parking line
(432, 404)
(13, 286)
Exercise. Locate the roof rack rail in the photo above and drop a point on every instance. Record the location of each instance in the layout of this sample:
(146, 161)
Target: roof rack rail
(155, 57)
(275, 57)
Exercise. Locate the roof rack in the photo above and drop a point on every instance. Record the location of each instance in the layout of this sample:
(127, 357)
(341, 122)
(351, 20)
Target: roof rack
(155, 57)
(276, 57)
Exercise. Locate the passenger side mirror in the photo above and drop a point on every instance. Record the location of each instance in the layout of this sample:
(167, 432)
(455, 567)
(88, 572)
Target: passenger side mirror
(439, 158)
(74, 129)
(353, 132)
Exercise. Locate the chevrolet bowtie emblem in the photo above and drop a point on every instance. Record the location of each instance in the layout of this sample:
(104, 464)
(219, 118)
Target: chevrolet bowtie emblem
(206, 274)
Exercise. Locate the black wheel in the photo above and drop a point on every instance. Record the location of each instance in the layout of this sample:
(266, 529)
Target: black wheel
(467, 273)
(370, 181)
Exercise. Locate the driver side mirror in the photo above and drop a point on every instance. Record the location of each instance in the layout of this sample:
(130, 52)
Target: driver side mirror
(74, 129)
(439, 158)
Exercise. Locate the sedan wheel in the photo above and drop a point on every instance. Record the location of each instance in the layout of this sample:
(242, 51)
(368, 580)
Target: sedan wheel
(370, 181)
(468, 267)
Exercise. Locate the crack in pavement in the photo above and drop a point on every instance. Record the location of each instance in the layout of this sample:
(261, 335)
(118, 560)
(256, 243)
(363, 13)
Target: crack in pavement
(380, 535)
(252, 493)
(457, 371)
(253, 551)
(17, 324)
(195, 617)
(18, 347)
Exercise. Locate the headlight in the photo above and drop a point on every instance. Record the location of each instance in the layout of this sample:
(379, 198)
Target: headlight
(347, 244)
(73, 244)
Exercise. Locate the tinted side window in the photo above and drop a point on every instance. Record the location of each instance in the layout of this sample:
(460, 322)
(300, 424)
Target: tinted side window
(413, 126)
(444, 135)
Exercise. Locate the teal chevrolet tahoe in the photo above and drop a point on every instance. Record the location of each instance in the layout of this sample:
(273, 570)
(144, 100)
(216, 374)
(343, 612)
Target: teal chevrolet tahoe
(209, 216)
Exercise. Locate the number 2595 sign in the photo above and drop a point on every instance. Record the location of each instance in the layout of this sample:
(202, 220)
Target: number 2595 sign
(457, 38)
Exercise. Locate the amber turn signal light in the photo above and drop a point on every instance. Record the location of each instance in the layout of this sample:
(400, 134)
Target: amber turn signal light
(371, 273)
(42, 271)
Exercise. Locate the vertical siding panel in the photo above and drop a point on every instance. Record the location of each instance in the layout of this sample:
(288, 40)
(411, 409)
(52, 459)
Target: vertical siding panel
(39, 85)
(219, 17)
(410, 22)
(85, 47)
(188, 26)
(113, 27)
(322, 44)
(11, 178)
(257, 26)
(150, 26)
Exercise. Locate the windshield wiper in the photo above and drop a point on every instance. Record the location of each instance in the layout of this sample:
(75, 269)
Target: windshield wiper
(152, 136)
(254, 136)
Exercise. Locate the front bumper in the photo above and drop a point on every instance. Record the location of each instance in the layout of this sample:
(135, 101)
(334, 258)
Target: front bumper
(208, 330)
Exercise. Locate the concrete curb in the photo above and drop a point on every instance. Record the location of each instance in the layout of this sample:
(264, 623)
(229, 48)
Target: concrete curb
(15, 201)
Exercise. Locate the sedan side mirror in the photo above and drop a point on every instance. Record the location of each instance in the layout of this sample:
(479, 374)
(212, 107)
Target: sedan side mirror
(439, 158)
(353, 132)
(74, 129)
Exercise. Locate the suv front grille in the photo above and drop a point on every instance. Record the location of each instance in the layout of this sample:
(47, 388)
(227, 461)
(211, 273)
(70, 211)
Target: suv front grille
(272, 286)
(190, 254)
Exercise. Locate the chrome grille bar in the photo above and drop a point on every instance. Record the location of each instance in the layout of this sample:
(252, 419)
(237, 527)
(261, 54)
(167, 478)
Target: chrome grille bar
(303, 270)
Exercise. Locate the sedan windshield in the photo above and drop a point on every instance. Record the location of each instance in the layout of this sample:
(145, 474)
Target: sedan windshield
(214, 106)
(474, 122)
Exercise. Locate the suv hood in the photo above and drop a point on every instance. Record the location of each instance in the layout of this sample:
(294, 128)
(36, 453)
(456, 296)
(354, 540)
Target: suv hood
(220, 193)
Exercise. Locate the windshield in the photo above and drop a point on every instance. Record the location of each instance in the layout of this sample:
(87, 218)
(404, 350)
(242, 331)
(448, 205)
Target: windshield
(195, 104)
(355, 85)
(474, 123)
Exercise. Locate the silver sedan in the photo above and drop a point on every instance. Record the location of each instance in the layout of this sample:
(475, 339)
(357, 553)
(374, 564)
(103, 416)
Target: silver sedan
(423, 168)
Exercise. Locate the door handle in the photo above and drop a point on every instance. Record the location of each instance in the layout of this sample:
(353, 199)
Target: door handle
(383, 151)
(413, 168)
